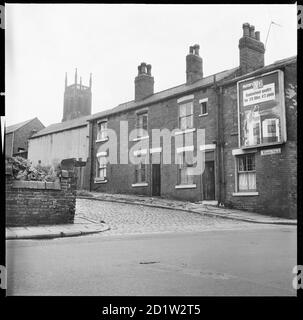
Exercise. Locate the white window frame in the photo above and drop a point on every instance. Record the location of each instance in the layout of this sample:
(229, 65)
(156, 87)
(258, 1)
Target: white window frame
(201, 102)
(184, 104)
(141, 129)
(103, 167)
(246, 192)
(182, 165)
(102, 134)
(139, 168)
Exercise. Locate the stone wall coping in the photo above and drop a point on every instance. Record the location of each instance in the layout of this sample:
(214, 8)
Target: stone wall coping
(18, 184)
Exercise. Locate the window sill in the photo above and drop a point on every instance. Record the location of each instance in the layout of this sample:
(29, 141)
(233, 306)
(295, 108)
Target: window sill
(237, 152)
(203, 115)
(142, 184)
(102, 140)
(141, 138)
(185, 131)
(186, 186)
(245, 194)
(260, 146)
(97, 180)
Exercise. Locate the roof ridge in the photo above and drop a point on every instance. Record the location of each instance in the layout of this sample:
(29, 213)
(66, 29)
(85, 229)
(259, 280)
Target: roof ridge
(155, 96)
(16, 126)
(174, 87)
(62, 126)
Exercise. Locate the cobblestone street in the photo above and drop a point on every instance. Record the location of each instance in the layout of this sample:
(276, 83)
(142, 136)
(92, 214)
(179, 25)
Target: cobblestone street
(136, 219)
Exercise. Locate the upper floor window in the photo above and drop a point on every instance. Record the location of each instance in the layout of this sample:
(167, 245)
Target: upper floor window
(141, 124)
(246, 170)
(186, 116)
(203, 108)
(102, 130)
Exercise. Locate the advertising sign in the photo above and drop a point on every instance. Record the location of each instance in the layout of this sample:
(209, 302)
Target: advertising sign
(261, 110)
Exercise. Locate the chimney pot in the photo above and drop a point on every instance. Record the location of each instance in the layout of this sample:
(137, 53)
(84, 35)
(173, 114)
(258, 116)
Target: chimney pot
(257, 34)
(252, 32)
(245, 28)
(148, 69)
(196, 49)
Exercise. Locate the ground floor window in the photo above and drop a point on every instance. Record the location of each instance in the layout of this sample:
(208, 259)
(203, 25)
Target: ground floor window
(101, 167)
(246, 171)
(140, 171)
(185, 164)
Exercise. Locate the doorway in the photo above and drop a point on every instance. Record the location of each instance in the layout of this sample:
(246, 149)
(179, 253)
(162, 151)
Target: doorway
(208, 181)
(156, 179)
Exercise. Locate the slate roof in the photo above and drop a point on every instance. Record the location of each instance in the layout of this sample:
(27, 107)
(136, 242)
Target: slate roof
(17, 126)
(178, 90)
(62, 126)
(231, 75)
(165, 94)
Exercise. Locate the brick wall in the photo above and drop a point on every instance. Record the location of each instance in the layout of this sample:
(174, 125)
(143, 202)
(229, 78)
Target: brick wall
(161, 115)
(9, 144)
(31, 203)
(276, 175)
(22, 135)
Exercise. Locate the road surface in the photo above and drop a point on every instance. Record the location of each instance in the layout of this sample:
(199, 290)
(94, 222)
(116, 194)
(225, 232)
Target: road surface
(250, 261)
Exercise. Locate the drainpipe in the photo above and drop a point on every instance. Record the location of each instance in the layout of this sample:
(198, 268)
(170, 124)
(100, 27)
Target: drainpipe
(91, 149)
(220, 145)
(220, 142)
(218, 169)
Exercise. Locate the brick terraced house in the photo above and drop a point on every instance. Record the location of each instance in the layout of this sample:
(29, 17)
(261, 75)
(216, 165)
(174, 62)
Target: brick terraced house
(249, 114)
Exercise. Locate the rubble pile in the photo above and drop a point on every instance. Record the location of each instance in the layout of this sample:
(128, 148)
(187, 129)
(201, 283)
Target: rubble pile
(23, 169)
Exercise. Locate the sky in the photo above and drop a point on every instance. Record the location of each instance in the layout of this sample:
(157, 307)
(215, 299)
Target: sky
(43, 41)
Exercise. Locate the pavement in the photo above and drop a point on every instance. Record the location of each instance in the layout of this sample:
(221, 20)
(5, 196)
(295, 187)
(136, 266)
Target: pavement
(82, 226)
(206, 210)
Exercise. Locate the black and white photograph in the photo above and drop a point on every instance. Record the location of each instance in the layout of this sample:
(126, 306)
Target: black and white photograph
(150, 151)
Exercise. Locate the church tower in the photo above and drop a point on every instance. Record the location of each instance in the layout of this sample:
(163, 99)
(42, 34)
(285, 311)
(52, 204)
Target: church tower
(77, 99)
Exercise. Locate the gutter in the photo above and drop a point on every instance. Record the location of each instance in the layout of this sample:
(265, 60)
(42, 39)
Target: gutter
(52, 132)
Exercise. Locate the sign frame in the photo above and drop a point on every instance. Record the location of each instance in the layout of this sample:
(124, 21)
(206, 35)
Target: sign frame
(283, 131)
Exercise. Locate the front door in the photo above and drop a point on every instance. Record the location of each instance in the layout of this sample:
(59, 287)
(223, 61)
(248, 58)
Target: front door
(156, 180)
(208, 181)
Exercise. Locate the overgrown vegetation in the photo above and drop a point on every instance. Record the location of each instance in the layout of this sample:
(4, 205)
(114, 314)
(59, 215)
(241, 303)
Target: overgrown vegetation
(23, 169)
